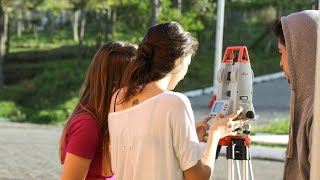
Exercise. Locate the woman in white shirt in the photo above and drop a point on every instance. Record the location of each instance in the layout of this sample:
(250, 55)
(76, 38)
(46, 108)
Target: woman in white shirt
(152, 128)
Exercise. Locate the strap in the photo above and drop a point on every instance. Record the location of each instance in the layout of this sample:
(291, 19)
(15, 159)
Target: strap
(115, 101)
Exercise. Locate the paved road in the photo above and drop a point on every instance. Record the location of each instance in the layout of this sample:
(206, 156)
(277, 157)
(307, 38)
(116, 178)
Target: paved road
(29, 151)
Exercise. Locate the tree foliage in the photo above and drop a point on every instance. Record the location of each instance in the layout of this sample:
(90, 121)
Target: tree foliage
(46, 30)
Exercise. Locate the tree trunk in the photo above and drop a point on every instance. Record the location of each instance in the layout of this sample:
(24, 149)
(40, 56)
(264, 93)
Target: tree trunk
(315, 4)
(109, 20)
(100, 29)
(29, 20)
(113, 20)
(177, 4)
(50, 24)
(155, 5)
(279, 11)
(3, 27)
(82, 25)
(80, 40)
(35, 32)
(19, 24)
(7, 33)
(79, 56)
(76, 25)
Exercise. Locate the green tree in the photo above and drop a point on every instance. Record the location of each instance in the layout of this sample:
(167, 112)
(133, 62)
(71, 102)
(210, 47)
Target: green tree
(132, 20)
(21, 10)
(53, 9)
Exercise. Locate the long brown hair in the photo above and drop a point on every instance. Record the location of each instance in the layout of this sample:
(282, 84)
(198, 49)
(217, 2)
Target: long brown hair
(102, 80)
(163, 45)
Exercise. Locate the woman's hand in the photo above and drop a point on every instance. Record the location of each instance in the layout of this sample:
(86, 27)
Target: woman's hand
(225, 126)
(202, 129)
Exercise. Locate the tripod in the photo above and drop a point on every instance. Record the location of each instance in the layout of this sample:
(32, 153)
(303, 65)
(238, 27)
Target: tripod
(237, 150)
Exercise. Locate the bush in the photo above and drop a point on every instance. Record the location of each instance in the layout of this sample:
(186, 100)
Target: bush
(10, 110)
(47, 98)
(48, 116)
(24, 71)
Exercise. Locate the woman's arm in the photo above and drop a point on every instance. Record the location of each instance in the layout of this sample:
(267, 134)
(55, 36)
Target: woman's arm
(204, 168)
(219, 128)
(75, 167)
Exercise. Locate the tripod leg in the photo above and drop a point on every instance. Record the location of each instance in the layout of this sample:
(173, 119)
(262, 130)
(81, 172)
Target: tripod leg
(238, 170)
(244, 169)
(218, 151)
(230, 169)
(251, 171)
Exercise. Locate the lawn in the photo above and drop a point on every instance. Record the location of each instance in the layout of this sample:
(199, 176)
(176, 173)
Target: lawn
(279, 126)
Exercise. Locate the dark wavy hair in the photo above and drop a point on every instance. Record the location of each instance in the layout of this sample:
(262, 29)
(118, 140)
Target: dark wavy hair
(278, 32)
(163, 45)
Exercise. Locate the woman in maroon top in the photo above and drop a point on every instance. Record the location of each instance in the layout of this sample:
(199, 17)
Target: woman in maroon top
(84, 144)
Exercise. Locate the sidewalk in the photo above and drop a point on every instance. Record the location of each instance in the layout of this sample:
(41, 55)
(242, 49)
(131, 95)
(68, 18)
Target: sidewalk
(270, 139)
(30, 152)
(277, 154)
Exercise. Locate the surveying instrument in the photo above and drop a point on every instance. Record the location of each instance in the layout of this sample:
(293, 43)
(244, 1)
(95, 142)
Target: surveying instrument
(235, 78)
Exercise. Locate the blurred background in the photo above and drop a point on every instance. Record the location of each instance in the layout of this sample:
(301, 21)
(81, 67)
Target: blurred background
(47, 45)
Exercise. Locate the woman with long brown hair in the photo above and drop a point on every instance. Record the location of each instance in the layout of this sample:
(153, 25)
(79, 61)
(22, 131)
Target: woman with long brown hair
(152, 128)
(85, 141)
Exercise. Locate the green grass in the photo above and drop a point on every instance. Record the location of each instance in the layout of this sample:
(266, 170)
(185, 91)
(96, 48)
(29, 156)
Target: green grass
(280, 126)
(268, 146)
(46, 41)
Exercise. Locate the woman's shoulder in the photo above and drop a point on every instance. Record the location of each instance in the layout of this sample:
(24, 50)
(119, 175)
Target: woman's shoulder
(83, 120)
(83, 137)
(175, 98)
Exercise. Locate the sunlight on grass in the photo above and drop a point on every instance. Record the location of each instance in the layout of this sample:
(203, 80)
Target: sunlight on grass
(278, 126)
(257, 145)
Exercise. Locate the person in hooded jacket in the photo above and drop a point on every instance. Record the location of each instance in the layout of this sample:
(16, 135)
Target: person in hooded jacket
(297, 42)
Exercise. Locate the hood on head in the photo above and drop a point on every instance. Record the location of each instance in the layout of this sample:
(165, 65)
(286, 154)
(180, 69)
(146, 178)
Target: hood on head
(300, 33)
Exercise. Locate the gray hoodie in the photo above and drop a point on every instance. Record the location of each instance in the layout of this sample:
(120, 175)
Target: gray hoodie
(300, 33)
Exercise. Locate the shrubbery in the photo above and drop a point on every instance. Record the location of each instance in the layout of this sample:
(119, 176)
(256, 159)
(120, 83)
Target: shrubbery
(48, 97)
